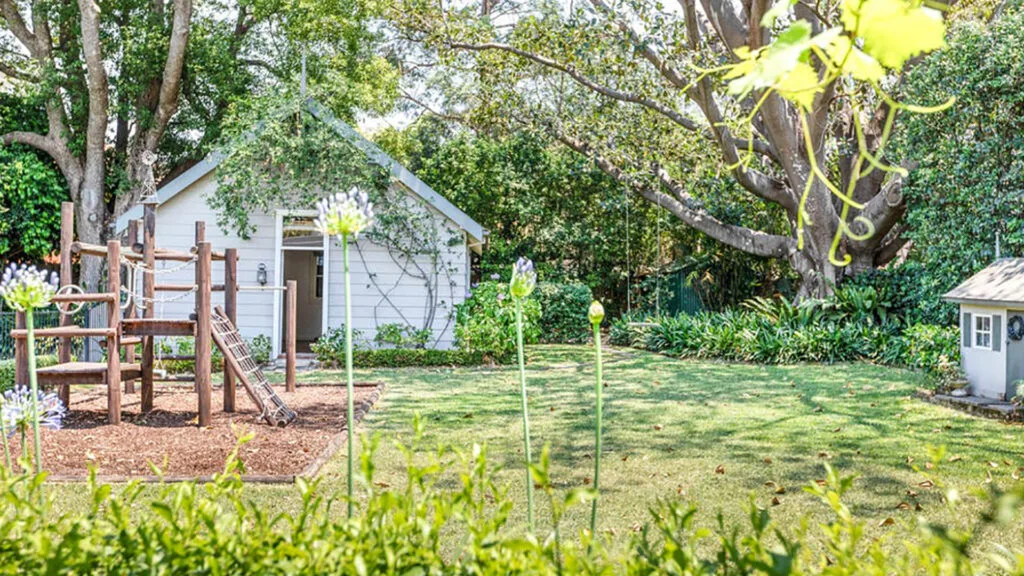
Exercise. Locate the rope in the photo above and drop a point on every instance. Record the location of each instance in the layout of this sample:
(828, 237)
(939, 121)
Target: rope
(159, 300)
(158, 271)
(629, 268)
(661, 258)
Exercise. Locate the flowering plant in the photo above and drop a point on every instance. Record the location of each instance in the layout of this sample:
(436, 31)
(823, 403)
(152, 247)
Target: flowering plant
(524, 278)
(24, 287)
(345, 213)
(18, 413)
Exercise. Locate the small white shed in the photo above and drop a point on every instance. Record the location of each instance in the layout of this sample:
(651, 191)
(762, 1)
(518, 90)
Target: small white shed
(992, 328)
(420, 292)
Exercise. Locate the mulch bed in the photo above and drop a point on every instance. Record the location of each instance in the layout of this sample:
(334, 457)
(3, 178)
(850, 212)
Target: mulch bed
(168, 435)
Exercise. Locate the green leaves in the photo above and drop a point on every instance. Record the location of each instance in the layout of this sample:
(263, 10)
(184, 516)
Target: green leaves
(893, 31)
(889, 31)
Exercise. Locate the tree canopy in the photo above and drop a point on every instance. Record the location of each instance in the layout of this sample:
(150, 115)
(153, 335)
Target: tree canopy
(784, 97)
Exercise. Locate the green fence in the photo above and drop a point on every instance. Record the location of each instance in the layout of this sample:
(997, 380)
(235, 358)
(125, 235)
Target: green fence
(669, 291)
(47, 318)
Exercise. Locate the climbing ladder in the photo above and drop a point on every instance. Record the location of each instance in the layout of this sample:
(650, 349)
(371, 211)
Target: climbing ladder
(236, 353)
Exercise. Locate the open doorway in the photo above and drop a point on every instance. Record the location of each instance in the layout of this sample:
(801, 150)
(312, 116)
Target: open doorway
(302, 260)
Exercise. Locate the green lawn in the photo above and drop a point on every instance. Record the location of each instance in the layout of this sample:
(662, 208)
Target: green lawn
(670, 423)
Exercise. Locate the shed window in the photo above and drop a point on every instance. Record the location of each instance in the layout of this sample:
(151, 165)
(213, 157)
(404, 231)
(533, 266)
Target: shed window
(983, 332)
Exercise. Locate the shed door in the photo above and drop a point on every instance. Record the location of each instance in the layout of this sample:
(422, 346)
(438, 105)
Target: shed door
(1014, 354)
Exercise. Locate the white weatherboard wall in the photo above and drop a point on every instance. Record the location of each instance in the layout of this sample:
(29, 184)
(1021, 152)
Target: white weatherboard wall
(382, 288)
(985, 369)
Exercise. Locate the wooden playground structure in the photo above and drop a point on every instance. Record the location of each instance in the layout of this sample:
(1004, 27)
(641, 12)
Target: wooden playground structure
(126, 330)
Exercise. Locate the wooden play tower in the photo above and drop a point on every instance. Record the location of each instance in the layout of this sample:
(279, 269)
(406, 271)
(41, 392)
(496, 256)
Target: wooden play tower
(126, 330)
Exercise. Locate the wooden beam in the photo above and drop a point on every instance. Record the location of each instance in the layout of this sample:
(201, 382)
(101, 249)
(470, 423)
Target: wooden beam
(292, 296)
(114, 339)
(231, 309)
(204, 328)
(148, 282)
(75, 298)
(20, 349)
(130, 239)
(67, 238)
(148, 327)
(62, 332)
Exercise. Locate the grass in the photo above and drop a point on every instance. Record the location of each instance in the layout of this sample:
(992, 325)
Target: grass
(670, 424)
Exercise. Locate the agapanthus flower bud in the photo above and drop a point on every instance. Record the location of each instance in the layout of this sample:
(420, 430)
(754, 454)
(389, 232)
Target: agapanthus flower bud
(524, 279)
(24, 287)
(345, 213)
(16, 410)
(596, 312)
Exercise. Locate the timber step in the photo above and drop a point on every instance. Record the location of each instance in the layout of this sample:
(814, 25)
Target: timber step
(130, 341)
(84, 373)
(157, 327)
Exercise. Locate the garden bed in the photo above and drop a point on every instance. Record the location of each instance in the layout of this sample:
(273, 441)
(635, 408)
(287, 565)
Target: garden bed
(168, 436)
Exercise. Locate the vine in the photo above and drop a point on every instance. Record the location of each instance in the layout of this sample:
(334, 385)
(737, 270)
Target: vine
(278, 155)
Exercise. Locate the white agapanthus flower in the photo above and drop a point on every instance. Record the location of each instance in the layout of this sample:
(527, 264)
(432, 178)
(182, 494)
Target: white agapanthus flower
(26, 287)
(345, 213)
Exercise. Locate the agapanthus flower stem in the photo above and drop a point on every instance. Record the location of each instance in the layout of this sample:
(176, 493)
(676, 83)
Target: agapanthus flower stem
(350, 408)
(526, 413)
(597, 428)
(7, 449)
(34, 386)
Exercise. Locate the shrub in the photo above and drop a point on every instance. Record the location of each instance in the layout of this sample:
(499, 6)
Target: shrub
(855, 325)
(405, 357)
(485, 322)
(331, 344)
(400, 335)
(414, 528)
(261, 348)
(184, 346)
(7, 369)
(563, 312)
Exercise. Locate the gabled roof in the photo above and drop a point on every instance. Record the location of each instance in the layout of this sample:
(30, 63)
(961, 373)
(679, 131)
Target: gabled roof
(1002, 282)
(373, 153)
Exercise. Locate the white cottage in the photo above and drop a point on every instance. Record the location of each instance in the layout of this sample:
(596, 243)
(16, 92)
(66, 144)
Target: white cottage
(386, 287)
(992, 328)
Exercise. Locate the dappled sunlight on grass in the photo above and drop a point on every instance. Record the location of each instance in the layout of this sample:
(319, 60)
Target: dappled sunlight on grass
(669, 424)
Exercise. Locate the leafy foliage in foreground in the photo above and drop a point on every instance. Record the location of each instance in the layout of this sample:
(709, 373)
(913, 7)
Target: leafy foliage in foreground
(431, 525)
(855, 325)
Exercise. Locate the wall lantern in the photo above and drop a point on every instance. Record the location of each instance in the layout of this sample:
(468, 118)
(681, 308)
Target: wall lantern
(261, 274)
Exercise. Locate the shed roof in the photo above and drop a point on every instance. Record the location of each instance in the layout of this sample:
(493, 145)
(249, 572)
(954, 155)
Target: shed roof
(1001, 282)
(418, 187)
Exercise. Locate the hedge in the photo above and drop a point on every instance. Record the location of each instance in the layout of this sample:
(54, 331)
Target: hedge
(7, 368)
(405, 357)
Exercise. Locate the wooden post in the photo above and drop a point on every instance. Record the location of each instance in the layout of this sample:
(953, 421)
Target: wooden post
(203, 333)
(231, 310)
(130, 240)
(200, 237)
(20, 352)
(148, 284)
(114, 340)
(292, 296)
(67, 237)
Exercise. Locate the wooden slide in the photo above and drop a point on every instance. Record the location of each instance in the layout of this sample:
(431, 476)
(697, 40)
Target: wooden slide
(236, 353)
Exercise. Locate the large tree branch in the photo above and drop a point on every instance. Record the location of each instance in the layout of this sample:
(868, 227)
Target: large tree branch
(12, 71)
(701, 92)
(18, 26)
(167, 103)
(684, 206)
(31, 139)
(759, 146)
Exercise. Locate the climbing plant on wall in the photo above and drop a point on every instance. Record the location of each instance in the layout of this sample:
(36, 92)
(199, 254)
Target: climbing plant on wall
(279, 155)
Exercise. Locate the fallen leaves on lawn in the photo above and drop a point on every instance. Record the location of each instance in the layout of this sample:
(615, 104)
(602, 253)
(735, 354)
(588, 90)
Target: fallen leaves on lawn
(720, 469)
(887, 522)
